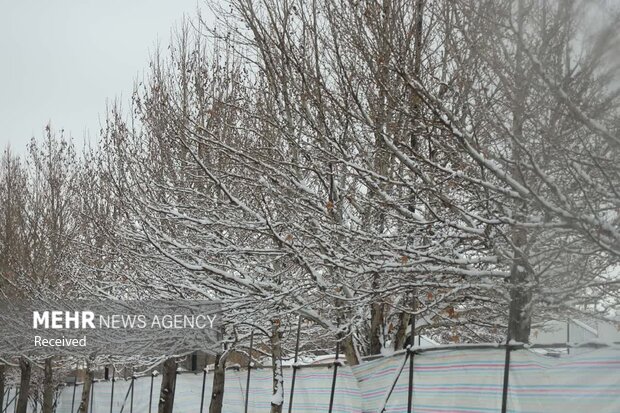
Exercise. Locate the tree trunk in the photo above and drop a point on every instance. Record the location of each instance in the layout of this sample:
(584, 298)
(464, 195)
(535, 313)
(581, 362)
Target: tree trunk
(88, 384)
(347, 343)
(376, 327)
(400, 337)
(277, 399)
(217, 392)
(350, 352)
(168, 383)
(519, 318)
(24, 385)
(48, 387)
(404, 319)
(382, 160)
(2, 372)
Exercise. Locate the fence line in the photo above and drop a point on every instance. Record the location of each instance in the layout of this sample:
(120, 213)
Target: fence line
(470, 376)
(447, 379)
(471, 380)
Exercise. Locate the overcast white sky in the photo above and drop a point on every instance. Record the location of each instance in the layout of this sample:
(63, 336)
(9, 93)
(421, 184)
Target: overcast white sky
(61, 59)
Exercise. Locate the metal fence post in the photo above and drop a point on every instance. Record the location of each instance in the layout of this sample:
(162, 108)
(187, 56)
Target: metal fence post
(7, 398)
(336, 363)
(133, 380)
(411, 353)
(506, 376)
(568, 336)
(17, 391)
(153, 374)
(74, 389)
(174, 388)
(400, 371)
(295, 367)
(247, 382)
(112, 392)
(202, 395)
(92, 395)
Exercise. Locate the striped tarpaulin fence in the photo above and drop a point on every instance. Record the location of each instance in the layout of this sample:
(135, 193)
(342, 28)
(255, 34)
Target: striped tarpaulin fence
(312, 392)
(460, 380)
